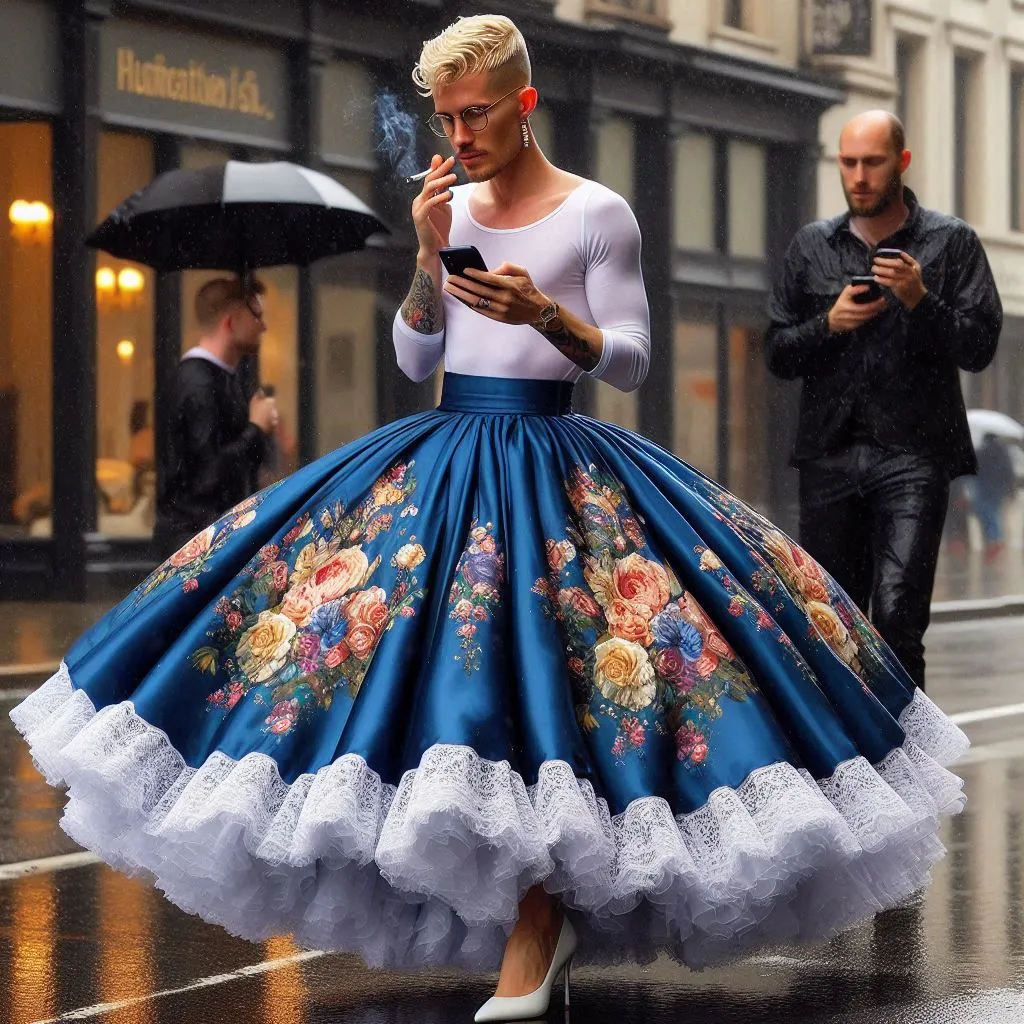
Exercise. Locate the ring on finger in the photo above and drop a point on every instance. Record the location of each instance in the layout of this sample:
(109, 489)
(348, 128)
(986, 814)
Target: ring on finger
(483, 303)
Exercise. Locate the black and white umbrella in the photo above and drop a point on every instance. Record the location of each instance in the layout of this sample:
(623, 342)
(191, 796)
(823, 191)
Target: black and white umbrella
(238, 217)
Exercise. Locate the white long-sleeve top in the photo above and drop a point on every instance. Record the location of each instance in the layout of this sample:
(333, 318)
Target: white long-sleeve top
(586, 256)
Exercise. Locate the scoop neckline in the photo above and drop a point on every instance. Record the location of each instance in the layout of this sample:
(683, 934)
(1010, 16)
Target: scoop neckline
(525, 227)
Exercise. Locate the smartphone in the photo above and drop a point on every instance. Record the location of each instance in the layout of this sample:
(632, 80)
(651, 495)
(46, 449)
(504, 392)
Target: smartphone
(889, 254)
(874, 288)
(459, 258)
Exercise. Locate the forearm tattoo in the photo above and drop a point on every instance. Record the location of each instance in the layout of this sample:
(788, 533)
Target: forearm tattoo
(422, 309)
(573, 347)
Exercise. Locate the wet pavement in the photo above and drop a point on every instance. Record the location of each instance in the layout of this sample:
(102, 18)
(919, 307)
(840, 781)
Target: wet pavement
(85, 943)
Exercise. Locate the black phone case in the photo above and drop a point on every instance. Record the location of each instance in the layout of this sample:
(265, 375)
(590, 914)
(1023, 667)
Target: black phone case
(458, 258)
(874, 292)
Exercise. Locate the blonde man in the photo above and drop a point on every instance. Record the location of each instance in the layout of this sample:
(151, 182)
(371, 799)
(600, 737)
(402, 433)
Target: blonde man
(478, 74)
(548, 310)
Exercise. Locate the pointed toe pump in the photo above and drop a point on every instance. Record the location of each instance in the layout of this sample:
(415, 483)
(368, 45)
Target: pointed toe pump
(535, 1003)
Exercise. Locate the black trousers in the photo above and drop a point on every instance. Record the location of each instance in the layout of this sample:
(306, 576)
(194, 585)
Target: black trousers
(873, 518)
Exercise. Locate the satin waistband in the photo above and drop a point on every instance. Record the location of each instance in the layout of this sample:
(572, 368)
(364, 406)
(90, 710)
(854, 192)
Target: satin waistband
(505, 395)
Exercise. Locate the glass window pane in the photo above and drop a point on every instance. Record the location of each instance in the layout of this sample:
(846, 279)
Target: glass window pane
(26, 380)
(695, 415)
(347, 112)
(615, 145)
(748, 416)
(1016, 150)
(694, 192)
(615, 155)
(125, 456)
(747, 187)
(346, 346)
(279, 367)
(346, 354)
(615, 406)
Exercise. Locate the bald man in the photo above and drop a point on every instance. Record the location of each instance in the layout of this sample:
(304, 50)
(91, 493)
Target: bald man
(882, 427)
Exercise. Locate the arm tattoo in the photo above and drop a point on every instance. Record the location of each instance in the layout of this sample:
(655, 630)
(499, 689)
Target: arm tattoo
(422, 309)
(572, 347)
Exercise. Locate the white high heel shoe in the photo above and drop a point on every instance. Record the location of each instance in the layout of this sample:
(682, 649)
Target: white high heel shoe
(535, 1003)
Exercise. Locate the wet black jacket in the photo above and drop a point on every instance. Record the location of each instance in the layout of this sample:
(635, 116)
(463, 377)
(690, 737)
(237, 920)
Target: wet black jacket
(213, 451)
(896, 377)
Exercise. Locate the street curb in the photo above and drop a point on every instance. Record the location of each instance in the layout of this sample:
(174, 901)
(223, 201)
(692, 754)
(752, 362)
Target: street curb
(978, 608)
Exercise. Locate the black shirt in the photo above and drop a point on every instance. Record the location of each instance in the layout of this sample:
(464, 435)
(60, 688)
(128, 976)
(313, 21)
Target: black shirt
(212, 453)
(896, 379)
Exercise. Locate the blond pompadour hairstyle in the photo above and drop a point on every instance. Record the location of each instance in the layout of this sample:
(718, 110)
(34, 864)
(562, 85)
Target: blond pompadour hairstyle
(469, 46)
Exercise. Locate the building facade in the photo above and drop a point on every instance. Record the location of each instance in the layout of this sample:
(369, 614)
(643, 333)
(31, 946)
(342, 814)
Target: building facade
(694, 111)
(953, 71)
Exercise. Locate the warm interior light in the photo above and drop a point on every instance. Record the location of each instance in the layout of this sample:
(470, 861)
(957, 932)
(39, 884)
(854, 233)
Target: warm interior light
(106, 279)
(130, 280)
(26, 214)
(125, 350)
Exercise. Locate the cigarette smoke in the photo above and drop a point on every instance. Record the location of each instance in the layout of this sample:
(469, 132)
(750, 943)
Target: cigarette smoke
(397, 130)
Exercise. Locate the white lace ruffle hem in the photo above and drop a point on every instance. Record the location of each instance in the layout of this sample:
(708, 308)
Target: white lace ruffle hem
(431, 872)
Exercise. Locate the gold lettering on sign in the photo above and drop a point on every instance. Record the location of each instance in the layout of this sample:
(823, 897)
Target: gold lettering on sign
(238, 91)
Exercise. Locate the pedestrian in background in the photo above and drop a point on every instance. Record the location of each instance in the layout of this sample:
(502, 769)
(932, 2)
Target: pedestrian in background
(883, 428)
(992, 487)
(218, 438)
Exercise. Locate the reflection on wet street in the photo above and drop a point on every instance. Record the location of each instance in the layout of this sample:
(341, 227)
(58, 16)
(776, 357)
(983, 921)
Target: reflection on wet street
(85, 943)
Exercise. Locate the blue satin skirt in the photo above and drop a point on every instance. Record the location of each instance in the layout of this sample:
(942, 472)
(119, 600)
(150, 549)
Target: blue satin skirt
(492, 646)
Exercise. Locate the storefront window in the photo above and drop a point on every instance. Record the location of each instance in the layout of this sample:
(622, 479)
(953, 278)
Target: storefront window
(278, 370)
(353, 118)
(346, 351)
(695, 394)
(747, 194)
(346, 347)
(615, 160)
(26, 438)
(694, 192)
(749, 474)
(125, 456)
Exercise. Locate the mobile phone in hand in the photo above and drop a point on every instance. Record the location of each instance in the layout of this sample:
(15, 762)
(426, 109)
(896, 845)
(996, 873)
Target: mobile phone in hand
(889, 254)
(874, 289)
(459, 258)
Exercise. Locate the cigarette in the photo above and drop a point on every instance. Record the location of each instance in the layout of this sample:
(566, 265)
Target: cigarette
(417, 177)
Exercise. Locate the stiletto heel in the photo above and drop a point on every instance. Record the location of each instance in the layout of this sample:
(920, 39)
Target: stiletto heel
(535, 1003)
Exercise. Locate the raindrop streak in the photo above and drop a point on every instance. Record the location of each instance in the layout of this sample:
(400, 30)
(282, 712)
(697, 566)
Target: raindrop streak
(397, 130)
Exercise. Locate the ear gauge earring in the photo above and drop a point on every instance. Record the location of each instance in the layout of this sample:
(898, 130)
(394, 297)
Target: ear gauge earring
(526, 134)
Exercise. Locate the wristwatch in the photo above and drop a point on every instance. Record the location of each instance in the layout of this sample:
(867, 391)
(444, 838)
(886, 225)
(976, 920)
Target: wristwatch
(546, 317)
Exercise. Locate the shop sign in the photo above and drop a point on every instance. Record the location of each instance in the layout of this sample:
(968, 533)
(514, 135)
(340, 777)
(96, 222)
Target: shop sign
(188, 83)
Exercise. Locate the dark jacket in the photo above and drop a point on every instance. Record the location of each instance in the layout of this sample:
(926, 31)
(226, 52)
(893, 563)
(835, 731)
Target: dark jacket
(896, 378)
(212, 453)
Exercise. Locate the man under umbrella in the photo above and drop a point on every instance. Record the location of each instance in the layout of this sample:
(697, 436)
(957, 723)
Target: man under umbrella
(217, 438)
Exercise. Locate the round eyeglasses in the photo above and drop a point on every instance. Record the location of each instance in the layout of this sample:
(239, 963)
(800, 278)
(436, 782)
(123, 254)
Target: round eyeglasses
(474, 118)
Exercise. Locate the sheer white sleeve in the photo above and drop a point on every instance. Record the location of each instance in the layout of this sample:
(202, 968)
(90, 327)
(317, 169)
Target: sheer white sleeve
(615, 289)
(418, 354)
